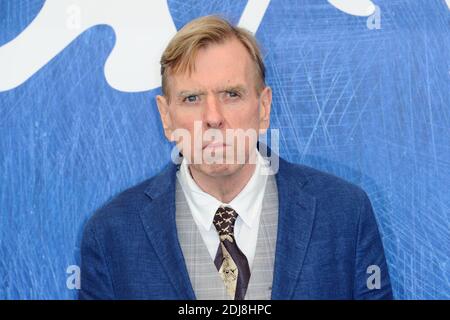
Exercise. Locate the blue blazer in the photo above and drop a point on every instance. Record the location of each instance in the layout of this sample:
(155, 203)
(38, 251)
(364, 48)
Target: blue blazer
(327, 239)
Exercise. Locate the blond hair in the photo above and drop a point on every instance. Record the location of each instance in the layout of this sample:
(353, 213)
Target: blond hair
(180, 54)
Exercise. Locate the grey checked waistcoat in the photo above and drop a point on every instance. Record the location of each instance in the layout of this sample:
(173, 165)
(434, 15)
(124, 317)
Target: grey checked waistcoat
(204, 276)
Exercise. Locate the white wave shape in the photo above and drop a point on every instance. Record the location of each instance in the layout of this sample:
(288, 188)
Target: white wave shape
(363, 8)
(142, 28)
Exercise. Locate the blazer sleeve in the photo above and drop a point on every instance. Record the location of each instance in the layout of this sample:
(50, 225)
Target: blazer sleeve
(372, 279)
(96, 281)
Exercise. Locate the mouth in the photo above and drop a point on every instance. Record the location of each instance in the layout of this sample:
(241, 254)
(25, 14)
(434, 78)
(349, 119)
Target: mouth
(214, 145)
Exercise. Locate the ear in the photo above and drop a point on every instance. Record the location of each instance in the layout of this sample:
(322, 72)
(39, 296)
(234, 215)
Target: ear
(163, 108)
(265, 103)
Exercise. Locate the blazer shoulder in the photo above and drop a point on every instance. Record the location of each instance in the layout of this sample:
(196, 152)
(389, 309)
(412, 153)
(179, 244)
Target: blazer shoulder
(339, 203)
(323, 184)
(128, 202)
(123, 204)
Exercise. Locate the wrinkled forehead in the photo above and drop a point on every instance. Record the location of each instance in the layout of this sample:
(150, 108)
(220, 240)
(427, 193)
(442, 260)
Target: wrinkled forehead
(216, 65)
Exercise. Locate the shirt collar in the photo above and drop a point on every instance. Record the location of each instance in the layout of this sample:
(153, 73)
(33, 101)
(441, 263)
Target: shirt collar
(247, 203)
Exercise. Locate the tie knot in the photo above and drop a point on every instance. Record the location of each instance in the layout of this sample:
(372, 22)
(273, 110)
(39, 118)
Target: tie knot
(224, 220)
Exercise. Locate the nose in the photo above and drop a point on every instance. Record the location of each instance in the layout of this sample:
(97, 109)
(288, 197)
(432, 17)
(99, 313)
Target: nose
(212, 116)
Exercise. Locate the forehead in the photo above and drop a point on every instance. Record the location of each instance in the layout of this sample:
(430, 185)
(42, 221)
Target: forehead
(217, 65)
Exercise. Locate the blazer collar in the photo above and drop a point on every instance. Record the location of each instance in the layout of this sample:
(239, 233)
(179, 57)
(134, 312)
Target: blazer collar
(296, 213)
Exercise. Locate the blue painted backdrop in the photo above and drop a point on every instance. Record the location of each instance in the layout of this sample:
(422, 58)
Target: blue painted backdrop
(371, 106)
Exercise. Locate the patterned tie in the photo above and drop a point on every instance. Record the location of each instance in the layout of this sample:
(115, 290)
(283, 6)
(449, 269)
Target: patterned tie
(230, 261)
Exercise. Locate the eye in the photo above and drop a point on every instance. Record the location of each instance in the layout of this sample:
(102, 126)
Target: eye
(233, 94)
(191, 99)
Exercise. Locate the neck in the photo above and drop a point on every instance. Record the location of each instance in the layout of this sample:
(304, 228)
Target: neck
(225, 187)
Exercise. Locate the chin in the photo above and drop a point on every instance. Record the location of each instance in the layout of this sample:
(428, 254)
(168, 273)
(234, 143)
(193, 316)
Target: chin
(218, 170)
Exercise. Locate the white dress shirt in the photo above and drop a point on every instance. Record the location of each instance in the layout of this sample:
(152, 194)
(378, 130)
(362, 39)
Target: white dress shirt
(248, 205)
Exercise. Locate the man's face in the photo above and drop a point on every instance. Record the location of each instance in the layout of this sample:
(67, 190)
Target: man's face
(219, 106)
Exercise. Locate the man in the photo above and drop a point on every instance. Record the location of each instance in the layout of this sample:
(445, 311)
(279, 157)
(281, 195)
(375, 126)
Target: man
(224, 224)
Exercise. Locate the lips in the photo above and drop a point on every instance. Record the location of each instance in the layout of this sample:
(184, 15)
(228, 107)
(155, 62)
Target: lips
(215, 145)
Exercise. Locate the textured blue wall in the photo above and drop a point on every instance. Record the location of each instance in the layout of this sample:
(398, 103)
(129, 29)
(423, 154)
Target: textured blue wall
(371, 106)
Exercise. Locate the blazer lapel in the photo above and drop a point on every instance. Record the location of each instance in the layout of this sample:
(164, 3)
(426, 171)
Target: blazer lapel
(158, 219)
(295, 221)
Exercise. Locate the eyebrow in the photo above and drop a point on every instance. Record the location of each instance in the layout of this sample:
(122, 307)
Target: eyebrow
(237, 87)
(186, 93)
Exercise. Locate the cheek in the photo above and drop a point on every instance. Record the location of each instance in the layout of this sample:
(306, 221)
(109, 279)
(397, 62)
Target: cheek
(247, 117)
(188, 125)
(184, 120)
